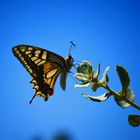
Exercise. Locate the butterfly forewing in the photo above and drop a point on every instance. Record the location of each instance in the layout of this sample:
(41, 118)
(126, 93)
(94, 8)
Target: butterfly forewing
(44, 67)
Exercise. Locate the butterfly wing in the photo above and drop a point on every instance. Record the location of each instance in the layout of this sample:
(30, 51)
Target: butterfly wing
(44, 67)
(63, 79)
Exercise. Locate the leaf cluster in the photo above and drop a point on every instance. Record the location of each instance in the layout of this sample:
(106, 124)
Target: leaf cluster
(125, 97)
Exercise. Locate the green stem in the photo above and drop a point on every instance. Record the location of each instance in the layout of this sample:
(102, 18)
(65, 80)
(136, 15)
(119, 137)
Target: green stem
(120, 97)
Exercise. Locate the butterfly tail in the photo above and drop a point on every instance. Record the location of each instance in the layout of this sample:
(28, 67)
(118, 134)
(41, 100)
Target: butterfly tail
(32, 99)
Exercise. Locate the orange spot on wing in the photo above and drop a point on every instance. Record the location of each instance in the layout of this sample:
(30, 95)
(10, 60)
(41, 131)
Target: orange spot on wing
(48, 66)
(50, 92)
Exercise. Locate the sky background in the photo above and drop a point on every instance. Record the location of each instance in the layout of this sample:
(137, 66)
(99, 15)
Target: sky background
(104, 31)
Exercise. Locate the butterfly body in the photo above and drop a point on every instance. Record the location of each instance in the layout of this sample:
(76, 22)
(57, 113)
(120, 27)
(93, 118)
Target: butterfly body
(44, 67)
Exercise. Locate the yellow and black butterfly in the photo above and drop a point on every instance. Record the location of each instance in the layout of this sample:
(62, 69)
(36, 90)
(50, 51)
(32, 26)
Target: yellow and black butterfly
(44, 67)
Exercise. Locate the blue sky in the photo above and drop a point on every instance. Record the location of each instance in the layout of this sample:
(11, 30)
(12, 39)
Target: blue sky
(104, 31)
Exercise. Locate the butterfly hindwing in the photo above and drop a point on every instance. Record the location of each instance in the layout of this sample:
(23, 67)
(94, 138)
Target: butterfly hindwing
(44, 84)
(44, 67)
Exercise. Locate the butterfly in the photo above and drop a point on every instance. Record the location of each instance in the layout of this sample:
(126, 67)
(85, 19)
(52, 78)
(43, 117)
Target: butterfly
(44, 66)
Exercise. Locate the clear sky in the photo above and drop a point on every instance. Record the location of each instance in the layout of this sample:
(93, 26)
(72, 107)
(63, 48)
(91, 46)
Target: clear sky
(104, 31)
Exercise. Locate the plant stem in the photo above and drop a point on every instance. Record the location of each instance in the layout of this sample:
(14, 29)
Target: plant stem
(120, 97)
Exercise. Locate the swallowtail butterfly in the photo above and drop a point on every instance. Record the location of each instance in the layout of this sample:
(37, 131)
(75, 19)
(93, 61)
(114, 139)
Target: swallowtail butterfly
(44, 67)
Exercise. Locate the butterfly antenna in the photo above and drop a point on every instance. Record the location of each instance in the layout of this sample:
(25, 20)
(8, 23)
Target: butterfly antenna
(32, 99)
(71, 46)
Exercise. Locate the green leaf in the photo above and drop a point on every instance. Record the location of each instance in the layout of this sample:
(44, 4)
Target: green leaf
(83, 85)
(105, 78)
(82, 77)
(85, 67)
(97, 72)
(124, 77)
(129, 95)
(100, 98)
(134, 120)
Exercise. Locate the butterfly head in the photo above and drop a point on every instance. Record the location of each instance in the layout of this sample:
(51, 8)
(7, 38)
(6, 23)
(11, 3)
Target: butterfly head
(69, 61)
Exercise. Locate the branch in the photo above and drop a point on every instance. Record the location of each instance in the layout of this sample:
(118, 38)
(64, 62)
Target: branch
(120, 97)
